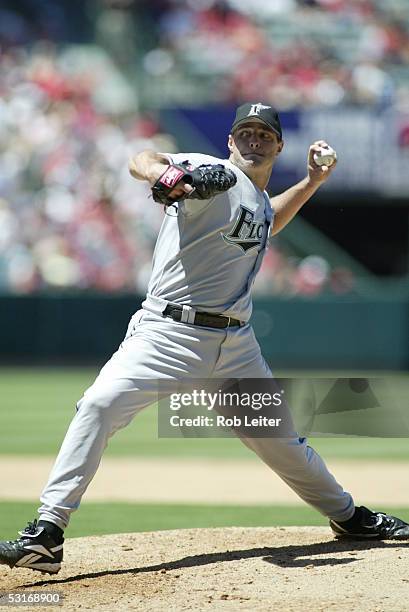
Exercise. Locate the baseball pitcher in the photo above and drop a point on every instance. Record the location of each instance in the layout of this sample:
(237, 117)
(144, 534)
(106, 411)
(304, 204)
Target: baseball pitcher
(195, 323)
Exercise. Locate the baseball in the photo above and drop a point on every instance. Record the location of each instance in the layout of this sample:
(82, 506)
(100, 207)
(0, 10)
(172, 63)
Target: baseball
(325, 156)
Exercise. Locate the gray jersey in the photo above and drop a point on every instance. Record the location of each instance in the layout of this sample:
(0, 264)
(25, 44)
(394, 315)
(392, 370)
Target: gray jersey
(207, 256)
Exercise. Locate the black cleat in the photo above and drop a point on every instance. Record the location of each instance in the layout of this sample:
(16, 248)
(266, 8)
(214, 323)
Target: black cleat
(35, 550)
(368, 525)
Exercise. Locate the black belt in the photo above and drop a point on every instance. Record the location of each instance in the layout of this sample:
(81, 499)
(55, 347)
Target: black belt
(203, 319)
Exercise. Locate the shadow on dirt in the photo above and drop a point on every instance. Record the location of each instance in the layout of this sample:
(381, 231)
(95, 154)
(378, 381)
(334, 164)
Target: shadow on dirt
(291, 556)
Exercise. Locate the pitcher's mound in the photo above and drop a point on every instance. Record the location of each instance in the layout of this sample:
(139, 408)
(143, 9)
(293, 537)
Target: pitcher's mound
(287, 568)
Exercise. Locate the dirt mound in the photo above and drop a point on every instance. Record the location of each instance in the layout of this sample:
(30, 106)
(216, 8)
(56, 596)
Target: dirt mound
(287, 568)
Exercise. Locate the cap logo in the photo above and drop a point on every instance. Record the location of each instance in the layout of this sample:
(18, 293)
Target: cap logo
(256, 109)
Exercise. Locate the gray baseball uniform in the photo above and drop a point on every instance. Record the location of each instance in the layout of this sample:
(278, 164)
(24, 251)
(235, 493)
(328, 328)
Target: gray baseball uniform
(206, 259)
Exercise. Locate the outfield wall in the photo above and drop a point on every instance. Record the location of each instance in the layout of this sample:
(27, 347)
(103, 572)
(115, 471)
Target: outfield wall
(320, 333)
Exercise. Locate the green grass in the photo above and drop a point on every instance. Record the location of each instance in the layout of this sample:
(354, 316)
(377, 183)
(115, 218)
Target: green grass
(98, 519)
(37, 404)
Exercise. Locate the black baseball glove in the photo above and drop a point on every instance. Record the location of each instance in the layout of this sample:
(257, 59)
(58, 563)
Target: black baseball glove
(207, 181)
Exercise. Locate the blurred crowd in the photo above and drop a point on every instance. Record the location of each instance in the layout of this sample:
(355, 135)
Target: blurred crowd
(71, 217)
(296, 53)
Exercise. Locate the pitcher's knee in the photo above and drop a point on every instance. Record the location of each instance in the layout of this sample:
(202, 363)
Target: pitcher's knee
(113, 408)
(98, 410)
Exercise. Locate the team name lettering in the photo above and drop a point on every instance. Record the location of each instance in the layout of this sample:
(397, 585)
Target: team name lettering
(246, 233)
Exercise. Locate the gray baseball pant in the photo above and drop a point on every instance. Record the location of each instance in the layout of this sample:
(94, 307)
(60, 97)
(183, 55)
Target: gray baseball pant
(160, 348)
